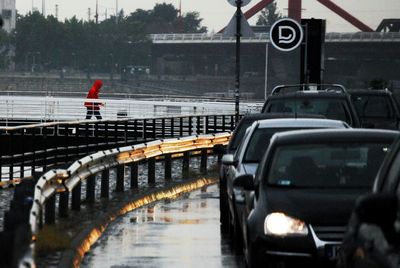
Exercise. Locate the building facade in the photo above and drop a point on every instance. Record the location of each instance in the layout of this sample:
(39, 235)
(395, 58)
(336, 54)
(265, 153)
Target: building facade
(9, 14)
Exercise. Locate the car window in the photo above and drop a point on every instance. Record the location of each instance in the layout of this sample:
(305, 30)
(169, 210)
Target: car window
(237, 153)
(373, 106)
(336, 165)
(330, 108)
(239, 134)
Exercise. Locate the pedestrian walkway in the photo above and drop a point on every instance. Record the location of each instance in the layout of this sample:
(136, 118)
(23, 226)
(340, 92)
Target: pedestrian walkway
(178, 233)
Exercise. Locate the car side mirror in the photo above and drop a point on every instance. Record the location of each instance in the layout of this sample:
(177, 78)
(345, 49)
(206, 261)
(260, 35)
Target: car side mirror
(244, 181)
(228, 160)
(377, 208)
(219, 149)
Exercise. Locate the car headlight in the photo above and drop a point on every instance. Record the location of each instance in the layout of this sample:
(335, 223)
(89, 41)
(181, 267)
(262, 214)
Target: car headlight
(280, 224)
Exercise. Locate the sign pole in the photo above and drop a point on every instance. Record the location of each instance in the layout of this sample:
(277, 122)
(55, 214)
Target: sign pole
(266, 72)
(238, 34)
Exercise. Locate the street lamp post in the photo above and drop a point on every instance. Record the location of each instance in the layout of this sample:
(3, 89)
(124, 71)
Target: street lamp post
(238, 35)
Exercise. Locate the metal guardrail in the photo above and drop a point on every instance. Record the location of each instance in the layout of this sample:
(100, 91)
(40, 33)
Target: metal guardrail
(264, 37)
(59, 181)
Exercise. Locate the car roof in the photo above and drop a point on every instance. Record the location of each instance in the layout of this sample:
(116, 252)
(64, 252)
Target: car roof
(301, 122)
(369, 92)
(261, 116)
(309, 94)
(329, 135)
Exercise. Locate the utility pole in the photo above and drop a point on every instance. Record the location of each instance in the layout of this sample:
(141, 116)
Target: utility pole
(116, 11)
(44, 8)
(57, 11)
(89, 14)
(97, 12)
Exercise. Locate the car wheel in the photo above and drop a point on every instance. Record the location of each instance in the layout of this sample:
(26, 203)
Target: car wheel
(251, 257)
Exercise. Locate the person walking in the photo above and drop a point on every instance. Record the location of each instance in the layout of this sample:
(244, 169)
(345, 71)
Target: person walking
(93, 108)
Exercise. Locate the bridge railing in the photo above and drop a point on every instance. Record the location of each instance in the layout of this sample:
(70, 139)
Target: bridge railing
(43, 146)
(22, 109)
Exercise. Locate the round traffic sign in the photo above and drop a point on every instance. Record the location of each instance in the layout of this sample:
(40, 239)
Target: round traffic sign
(234, 2)
(286, 34)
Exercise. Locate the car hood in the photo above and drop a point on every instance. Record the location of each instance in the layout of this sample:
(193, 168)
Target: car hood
(314, 206)
(250, 168)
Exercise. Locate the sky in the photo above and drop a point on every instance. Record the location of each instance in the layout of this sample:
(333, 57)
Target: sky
(217, 13)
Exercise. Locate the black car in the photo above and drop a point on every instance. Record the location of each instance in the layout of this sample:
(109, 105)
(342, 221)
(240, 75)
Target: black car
(235, 140)
(373, 235)
(331, 101)
(305, 187)
(376, 108)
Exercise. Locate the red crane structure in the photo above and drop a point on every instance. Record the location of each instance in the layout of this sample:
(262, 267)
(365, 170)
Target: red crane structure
(294, 12)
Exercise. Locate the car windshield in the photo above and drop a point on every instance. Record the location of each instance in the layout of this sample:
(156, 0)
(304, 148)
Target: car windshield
(259, 142)
(334, 165)
(330, 108)
(373, 106)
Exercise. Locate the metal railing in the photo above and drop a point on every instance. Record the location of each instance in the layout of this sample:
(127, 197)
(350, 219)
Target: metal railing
(264, 37)
(43, 146)
(47, 108)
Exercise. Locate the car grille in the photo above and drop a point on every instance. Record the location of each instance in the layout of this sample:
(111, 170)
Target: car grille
(330, 233)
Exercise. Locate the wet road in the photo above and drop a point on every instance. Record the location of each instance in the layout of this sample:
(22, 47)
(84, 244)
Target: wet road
(179, 233)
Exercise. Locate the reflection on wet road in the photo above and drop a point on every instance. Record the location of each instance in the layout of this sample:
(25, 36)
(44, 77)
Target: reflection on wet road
(178, 233)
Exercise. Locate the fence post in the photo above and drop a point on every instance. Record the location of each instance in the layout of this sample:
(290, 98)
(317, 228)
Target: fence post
(151, 162)
(190, 125)
(134, 175)
(90, 189)
(181, 126)
(50, 210)
(203, 161)
(167, 167)
(105, 184)
(185, 164)
(172, 127)
(76, 197)
(120, 178)
(63, 204)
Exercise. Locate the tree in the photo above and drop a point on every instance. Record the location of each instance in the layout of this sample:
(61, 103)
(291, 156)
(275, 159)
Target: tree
(106, 46)
(5, 49)
(192, 23)
(269, 15)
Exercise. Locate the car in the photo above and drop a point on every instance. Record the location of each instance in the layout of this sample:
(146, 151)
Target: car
(246, 157)
(304, 189)
(376, 108)
(236, 138)
(329, 100)
(372, 237)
